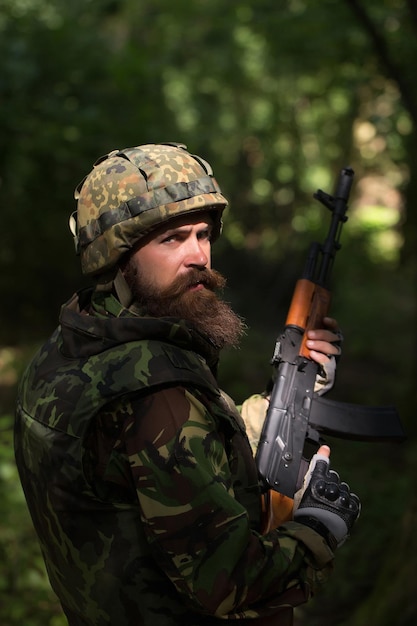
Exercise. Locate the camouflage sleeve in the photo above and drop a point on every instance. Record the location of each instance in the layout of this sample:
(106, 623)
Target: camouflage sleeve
(200, 534)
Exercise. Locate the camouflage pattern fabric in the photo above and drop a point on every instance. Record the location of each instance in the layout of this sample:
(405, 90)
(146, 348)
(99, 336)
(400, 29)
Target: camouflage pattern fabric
(142, 486)
(129, 192)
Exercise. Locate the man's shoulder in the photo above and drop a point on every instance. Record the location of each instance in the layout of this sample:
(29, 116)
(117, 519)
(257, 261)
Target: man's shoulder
(158, 361)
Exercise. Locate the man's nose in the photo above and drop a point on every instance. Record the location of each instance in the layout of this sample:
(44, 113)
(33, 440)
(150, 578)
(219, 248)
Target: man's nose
(197, 254)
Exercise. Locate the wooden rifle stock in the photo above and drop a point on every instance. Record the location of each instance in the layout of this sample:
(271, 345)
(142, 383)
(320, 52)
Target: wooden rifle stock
(309, 305)
(276, 510)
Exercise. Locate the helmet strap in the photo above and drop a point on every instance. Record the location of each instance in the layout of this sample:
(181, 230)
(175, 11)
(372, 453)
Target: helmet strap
(115, 282)
(122, 289)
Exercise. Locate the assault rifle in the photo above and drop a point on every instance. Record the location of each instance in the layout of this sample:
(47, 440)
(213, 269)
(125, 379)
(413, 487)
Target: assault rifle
(297, 418)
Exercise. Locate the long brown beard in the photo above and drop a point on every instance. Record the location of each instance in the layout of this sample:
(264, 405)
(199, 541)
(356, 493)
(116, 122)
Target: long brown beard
(210, 315)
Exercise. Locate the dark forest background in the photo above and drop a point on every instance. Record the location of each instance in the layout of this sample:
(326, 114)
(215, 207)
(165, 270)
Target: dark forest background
(277, 96)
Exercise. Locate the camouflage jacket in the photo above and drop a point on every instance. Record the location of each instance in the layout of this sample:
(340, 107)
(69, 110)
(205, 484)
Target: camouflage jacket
(141, 482)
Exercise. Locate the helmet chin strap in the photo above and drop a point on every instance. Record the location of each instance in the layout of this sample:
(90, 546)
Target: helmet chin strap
(115, 281)
(122, 289)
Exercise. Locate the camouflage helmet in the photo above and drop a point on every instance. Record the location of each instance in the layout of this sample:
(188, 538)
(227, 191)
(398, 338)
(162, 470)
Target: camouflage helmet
(129, 192)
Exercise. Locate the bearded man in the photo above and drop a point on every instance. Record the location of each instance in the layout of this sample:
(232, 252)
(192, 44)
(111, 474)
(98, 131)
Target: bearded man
(136, 467)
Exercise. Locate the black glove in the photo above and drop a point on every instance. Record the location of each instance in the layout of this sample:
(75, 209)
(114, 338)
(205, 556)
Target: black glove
(326, 504)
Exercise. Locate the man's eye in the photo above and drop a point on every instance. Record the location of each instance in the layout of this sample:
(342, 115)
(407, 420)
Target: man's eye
(169, 238)
(205, 234)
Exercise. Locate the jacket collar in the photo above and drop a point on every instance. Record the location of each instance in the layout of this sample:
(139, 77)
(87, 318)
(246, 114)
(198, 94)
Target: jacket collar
(91, 324)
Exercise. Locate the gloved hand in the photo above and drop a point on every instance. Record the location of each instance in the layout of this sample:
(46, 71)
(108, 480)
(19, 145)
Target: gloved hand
(324, 503)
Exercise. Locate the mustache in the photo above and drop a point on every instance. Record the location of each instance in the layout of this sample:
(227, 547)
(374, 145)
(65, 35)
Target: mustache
(210, 279)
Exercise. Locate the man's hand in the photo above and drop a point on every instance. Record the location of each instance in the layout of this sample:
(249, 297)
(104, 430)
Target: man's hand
(324, 503)
(325, 343)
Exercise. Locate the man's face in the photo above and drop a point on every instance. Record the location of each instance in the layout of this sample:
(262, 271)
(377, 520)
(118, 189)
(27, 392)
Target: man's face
(169, 274)
(175, 249)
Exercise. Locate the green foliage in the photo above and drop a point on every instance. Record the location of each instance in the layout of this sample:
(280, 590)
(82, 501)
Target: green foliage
(278, 97)
(25, 595)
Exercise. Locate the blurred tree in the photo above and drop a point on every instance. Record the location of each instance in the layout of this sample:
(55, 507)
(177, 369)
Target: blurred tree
(278, 97)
